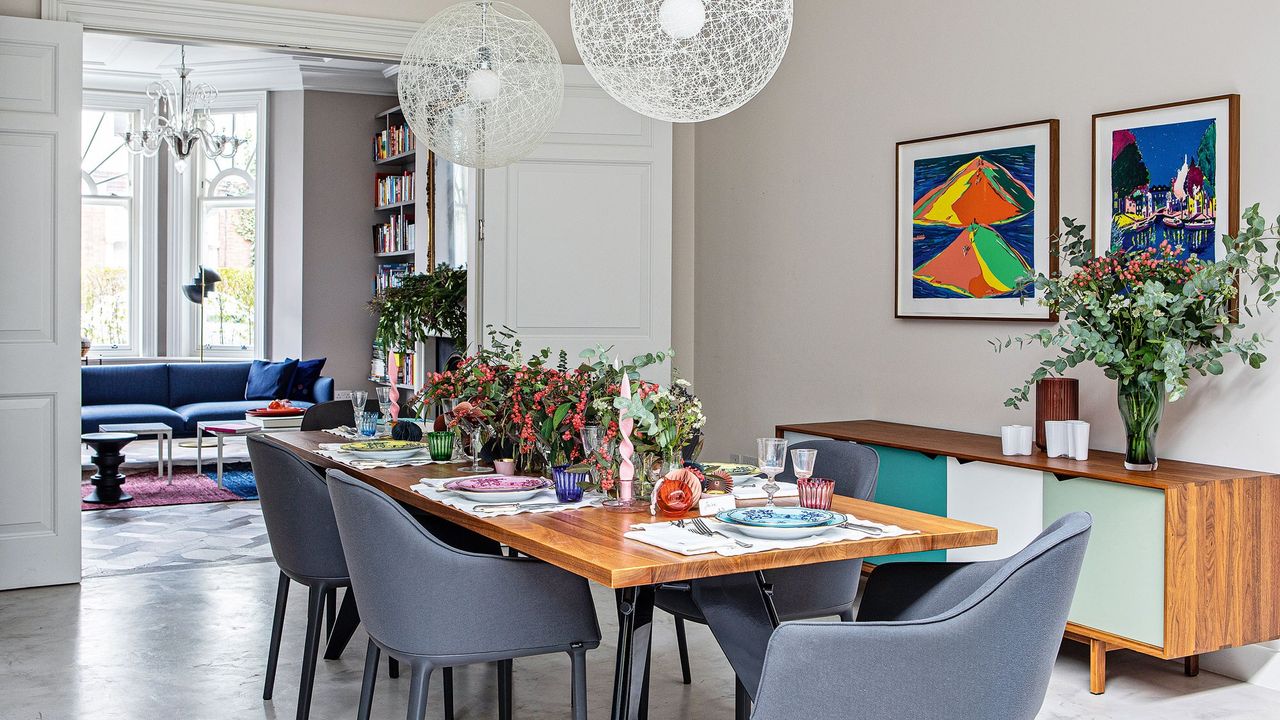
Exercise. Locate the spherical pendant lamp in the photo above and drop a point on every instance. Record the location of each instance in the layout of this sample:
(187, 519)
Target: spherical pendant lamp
(481, 84)
(682, 60)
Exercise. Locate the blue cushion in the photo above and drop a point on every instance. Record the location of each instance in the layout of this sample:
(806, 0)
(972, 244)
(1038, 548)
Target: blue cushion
(304, 379)
(228, 410)
(206, 382)
(91, 416)
(111, 384)
(269, 380)
(323, 389)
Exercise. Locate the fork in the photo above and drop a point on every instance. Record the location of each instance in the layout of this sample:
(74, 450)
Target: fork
(868, 529)
(700, 526)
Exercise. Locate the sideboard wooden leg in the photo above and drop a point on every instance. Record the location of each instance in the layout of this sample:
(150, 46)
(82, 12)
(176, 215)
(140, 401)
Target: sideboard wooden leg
(1097, 666)
(1191, 665)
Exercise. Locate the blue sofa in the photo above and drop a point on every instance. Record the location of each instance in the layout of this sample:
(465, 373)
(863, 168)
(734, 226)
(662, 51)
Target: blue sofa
(179, 395)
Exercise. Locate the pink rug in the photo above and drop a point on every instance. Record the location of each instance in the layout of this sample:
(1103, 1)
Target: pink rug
(149, 490)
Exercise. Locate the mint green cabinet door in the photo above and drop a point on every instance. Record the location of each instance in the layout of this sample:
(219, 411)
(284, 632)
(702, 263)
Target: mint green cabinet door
(1121, 589)
(916, 482)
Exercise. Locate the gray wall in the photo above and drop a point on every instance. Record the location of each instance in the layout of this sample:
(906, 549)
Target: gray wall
(796, 191)
(285, 217)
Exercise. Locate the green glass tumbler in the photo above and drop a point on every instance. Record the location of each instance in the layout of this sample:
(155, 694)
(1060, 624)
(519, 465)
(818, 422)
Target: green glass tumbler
(441, 443)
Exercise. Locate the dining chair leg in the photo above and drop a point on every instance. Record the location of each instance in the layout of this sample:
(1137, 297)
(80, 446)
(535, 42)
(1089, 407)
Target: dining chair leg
(371, 656)
(448, 693)
(420, 675)
(504, 689)
(311, 650)
(330, 609)
(846, 615)
(741, 701)
(683, 644)
(579, 662)
(277, 629)
(393, 668)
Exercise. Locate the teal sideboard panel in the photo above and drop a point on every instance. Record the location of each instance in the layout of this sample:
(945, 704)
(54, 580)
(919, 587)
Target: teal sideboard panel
(913, 481)
(1121, 588)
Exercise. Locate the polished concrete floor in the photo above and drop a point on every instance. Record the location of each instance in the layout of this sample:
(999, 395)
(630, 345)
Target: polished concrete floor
(191, 643)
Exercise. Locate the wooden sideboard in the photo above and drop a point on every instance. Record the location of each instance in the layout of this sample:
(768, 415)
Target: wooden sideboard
(1181, 561)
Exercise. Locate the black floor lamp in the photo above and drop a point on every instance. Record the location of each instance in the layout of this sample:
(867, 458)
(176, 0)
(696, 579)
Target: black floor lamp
(196, 291)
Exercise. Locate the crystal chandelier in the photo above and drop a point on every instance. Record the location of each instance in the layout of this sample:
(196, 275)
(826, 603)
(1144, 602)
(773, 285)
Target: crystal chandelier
(179, 118)
(682, 60)
(481, 84)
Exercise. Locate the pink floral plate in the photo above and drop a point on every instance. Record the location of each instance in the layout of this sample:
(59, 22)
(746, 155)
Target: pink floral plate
(498, 488)
(497, 484)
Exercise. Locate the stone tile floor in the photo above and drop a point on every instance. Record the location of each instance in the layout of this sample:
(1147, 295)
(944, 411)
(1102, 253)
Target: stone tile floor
(129, 540)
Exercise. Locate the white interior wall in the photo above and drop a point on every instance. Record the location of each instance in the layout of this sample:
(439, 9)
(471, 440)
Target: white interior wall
(795, 208)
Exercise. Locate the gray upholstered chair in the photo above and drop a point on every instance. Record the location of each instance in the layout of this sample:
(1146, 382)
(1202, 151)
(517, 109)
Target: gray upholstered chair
(809, 591)
(329, 415)
(502, 607)
(971, 641)
(304, 540)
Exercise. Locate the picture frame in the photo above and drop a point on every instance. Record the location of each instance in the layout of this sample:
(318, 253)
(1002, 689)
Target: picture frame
(975, 212)
(1196, 145)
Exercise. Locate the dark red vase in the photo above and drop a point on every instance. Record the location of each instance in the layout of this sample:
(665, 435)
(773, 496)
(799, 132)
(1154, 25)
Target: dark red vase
(1056, 399)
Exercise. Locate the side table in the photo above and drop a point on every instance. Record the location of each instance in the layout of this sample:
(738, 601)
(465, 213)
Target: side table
(164, 437)
(107, 456)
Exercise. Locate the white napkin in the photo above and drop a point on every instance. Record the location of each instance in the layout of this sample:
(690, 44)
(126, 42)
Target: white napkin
(433, 489)
(331, 451)
(686, 542)
(748, 488)
(351, 433)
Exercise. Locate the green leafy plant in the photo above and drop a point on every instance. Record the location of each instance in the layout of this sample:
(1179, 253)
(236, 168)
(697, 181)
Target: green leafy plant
(1154, 315)
(422, 306)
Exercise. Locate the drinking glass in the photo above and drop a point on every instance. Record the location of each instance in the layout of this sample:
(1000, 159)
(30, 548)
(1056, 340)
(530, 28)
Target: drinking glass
(802, 460)
(384, 403)
(446, 409)
(773, 459)
(478, 430)
(592, 438)
(368, 424)
(358, 399)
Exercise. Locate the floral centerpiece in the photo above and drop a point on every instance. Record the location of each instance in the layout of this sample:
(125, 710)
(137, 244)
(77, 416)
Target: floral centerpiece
(1150, 317)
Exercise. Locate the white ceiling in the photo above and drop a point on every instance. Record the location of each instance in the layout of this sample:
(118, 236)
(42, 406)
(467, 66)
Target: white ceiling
(118, 62)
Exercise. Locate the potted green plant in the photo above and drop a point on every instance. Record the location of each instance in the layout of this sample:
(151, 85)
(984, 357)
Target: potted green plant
(422, 306)
(1151, 316)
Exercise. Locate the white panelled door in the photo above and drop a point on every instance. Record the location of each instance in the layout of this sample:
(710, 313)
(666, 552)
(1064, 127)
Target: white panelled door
(577, 237)
(39, 302)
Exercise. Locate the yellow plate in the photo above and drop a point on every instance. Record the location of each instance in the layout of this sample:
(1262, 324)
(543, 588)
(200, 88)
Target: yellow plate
(734, 469)
(383, 446)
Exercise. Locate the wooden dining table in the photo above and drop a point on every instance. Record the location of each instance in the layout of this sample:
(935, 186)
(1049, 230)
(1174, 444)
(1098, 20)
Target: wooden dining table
(589, 542)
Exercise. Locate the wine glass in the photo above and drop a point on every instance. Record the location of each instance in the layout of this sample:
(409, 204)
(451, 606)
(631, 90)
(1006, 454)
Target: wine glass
(592, 439)
(473, 423)
(447, 407)
(773, 460)
(384, 403)
(358, 400)
(802, 460)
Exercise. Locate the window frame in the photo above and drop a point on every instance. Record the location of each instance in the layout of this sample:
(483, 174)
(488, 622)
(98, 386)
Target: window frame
(142, 205)
(187, 205)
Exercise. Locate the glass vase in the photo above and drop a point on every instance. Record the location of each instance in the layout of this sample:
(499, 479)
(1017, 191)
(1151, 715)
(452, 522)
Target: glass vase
(1141, 407)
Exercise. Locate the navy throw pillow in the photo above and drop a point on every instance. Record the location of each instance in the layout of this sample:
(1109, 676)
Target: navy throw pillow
(304, 380)
(268, 380)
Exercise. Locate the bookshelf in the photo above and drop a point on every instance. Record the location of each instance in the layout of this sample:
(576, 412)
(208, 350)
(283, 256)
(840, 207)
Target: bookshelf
(403, 240)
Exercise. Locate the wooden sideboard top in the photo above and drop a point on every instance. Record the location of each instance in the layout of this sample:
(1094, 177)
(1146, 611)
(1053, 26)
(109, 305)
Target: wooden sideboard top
(986, 448)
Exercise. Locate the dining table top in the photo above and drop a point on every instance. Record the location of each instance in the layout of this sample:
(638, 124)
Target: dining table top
(589, 542)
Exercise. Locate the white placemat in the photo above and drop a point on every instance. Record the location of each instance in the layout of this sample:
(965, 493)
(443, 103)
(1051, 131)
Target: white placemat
(543, 502)
(351, 433)
(685, 541)
(748, 488)
(331, 451)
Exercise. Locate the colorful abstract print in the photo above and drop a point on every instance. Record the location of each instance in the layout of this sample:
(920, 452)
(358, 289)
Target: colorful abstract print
(1163, 187)
(973, 224)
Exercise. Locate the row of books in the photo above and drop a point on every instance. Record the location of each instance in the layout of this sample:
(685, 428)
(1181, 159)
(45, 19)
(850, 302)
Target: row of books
(378, 369)
(392, 189)
(393, 141)
(396, 235)
(389, 276)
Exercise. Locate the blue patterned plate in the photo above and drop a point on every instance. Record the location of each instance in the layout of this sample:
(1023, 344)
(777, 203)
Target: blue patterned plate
(788, 516)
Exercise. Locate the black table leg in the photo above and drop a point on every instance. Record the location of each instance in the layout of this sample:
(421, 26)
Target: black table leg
(741, 615)
(344, 626)
(635, 638)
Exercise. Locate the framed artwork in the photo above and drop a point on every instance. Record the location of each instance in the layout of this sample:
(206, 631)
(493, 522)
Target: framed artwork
(975, 213)
(1168, 173)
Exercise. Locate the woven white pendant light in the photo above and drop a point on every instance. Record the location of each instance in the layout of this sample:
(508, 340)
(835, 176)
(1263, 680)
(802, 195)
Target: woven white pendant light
(481, 84)
(682, 60)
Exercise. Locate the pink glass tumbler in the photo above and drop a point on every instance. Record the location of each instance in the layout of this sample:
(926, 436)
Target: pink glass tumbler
(815, 493)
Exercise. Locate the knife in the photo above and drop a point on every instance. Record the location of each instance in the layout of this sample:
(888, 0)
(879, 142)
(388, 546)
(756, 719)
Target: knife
(515, 506)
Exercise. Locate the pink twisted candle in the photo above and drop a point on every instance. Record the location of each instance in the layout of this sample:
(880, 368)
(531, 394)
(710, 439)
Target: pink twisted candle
(395, 391)
(626, 470)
